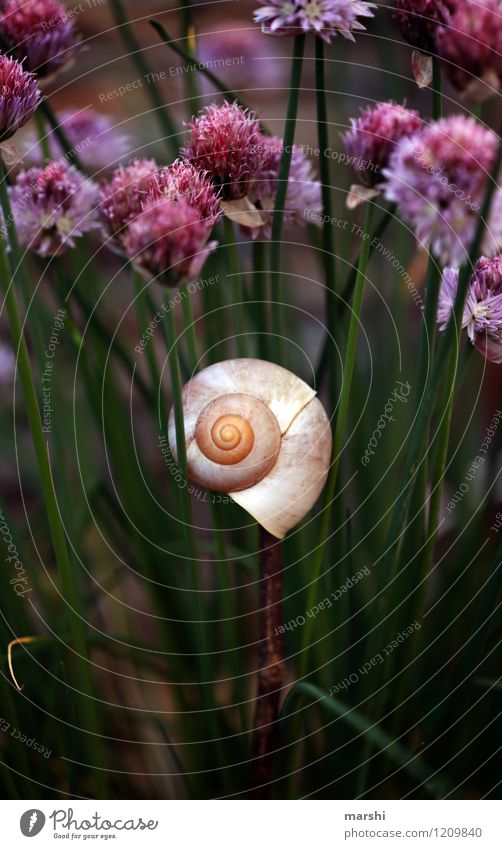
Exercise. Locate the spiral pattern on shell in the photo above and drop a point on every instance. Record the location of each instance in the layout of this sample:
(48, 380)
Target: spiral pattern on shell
(257, 432)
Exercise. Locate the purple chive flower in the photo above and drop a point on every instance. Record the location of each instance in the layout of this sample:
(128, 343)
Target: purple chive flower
(419, 19)
(373, 136)
(92, 136)
(19, 96)
(168, 241)
(224, 142)
(123, 196)
(303, 197)
(438, 178)
(482, 315)
(241, 56)
(52, 206)
(41, 33)
(470, 42)
(183, 180)
(447, 292)
(324, 18)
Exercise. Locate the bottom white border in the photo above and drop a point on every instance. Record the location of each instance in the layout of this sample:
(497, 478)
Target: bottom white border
(252, 825)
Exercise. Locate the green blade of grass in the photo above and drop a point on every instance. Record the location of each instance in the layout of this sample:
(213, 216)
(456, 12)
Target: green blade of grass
(82, 679)
(143, 67)
(370, 731)
(443, 364)
(328, 232)
(340, 426)
(191, 337)
(237, 286)
(344, 300)
(277, 339)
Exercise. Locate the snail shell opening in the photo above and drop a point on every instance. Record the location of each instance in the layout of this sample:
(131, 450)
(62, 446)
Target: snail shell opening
(241, 434)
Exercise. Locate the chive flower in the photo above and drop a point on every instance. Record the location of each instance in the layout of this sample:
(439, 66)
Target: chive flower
(41, 33)
(373, 136)
(325, 18)
(303, 197)
(470, 43)
(123, 195)
(167, 241)
(244, 59)
(19, 96)
(53, 206)
(223, 142)
(184, 180)
(92, 137)
(438, 178)
(482, 316)
(419, 19)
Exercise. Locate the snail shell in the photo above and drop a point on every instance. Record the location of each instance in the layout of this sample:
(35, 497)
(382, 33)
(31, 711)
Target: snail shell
(257, 432)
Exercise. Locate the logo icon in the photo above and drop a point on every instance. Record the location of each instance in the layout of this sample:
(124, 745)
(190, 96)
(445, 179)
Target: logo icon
(32, 822)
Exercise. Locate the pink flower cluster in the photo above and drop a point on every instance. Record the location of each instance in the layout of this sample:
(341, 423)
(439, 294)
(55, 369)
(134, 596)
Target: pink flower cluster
(465, 34)
(482, 317)
(373, 136)
(123, 196)
(168, 240)
(19, 96)
(324, 18)
(419, 19)
(52, 206)
(227, 144)
(303, 193)
(438, 178)
(41, 33)
(184, 180)
(470, 43)
(224, 142)
(161, 218)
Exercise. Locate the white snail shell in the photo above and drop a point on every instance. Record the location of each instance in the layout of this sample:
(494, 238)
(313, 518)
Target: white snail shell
(257, 432)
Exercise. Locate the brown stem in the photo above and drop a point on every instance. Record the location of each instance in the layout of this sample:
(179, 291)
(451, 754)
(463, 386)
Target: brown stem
(271, 664)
